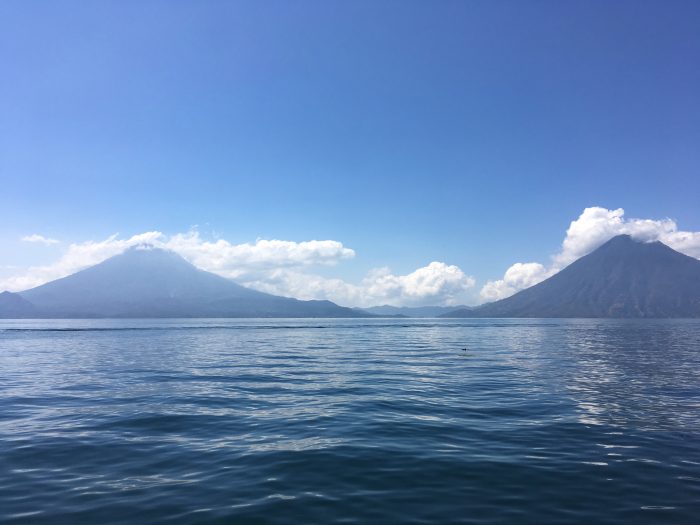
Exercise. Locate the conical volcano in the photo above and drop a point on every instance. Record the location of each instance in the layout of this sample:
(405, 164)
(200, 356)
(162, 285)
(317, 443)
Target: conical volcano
(151, 282)
(622, 278)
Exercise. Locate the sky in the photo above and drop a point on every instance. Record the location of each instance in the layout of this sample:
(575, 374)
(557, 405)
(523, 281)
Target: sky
(368, 152)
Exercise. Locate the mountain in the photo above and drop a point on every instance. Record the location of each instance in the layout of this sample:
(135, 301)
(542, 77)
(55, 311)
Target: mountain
(150, 282)
(411, 311)
(13, 306)
(622, 278)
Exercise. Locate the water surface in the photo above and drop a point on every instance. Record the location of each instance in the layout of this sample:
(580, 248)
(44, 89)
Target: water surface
(349, 421)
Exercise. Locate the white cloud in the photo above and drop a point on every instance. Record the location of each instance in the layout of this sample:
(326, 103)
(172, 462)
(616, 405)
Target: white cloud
(77, 257)
(435, 284)
(517, 277)
(39, 238)
(594, 227)
(286, 267)
(237, 260)
(597, 225)
(275, 266)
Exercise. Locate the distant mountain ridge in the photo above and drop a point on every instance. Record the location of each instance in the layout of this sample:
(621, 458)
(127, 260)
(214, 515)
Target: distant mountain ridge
(151, 282)
(412, 311)
(13, 305)
(623, 278)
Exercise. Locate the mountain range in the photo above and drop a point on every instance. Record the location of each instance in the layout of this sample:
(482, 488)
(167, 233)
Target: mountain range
(411, 311)
(622, 278)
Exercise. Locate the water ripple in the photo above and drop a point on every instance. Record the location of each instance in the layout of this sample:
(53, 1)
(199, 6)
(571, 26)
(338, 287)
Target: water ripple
(349, 421)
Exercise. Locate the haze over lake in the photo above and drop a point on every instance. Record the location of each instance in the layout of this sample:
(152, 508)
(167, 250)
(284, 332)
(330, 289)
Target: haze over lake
(349, 421)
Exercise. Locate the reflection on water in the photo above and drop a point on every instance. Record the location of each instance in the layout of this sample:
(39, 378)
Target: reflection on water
(349, 421)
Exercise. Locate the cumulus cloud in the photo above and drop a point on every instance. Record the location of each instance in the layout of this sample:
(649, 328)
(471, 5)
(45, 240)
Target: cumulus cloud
(239, 260)
(218, 256)
(437, 281)
(594, 227)
(436, 284)
(517, 277)
(597, 225)
(77, 257)
(39, 238)
(274, 266)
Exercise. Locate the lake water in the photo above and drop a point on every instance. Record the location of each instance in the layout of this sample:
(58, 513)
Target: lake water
(349, 421)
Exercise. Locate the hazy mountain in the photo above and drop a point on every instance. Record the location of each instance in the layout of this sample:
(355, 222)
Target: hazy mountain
(13, 306)
(412, 311)
(149, 282)
(622, 278)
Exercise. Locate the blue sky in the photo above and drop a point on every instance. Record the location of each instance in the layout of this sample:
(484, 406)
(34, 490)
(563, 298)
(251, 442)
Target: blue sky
(470, 133)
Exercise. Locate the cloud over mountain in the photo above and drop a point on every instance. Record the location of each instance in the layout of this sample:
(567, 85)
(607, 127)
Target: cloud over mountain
(593, 228)
(275, 266)
(238, 260)
(287, 268)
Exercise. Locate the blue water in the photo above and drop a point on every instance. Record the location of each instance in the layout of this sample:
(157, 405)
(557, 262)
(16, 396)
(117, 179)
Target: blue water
(349, 421)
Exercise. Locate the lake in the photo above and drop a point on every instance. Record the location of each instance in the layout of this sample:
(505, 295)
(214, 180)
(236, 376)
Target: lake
(349, 421)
